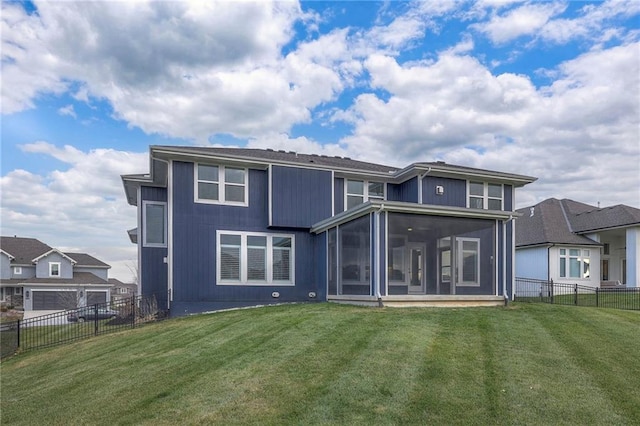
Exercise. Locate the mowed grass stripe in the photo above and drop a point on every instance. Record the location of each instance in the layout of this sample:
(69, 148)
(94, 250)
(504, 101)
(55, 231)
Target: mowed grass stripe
(602, 350)
(331, 364)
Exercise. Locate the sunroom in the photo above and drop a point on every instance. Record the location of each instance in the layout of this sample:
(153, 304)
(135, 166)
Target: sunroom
(393, 253)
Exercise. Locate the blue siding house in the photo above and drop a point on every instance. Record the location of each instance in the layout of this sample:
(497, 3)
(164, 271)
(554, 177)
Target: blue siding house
(230, 227)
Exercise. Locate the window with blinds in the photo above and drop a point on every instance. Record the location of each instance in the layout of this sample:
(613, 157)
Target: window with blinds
(251, 258)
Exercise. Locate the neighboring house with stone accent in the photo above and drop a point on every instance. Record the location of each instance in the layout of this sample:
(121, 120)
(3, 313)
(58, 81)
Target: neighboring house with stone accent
(38, 277)
(571, 242)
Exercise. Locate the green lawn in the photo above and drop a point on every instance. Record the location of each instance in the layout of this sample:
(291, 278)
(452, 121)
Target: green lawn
(333, 364)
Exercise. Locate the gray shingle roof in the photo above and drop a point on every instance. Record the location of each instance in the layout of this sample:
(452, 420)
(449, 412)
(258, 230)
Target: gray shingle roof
(24, 250)
(84, 259)
(283, 156)
(563, 221)
(79, 278)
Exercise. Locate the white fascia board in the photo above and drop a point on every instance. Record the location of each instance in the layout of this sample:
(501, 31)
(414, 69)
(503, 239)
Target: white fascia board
(402, 207)
(54, 251)
(7, 254)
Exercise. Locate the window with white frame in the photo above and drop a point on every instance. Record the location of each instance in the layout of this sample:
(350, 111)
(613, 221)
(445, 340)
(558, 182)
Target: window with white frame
(17, 270)
(253, 258)
(575, 263)
(359, 191)
(221, 185)
(484, 195)
(155, 224)
(468, 261)
(54, 269)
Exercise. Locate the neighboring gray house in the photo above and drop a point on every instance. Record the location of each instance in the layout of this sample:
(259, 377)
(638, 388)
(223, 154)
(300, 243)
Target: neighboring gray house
(572, 242)
(120, 290)
(38, 277)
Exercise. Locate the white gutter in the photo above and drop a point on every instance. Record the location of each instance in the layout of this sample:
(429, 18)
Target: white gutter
(504, 259)
(420, 177)
(377, 254)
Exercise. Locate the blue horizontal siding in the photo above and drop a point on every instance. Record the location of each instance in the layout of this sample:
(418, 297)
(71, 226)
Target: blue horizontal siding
(299, 197)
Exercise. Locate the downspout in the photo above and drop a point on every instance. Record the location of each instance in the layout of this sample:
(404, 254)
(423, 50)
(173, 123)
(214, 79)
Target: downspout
(504, 261)
(420, 177)
(378, 295)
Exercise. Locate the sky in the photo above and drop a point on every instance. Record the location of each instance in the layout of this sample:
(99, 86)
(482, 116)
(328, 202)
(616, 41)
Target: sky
(547, 89)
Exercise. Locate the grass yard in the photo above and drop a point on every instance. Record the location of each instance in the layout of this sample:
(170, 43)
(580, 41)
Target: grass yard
(333, 364)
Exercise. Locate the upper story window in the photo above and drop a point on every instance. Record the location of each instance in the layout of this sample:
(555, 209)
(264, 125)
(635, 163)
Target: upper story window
(359, 191)
(221, 185)
(54, 269)
(17, 270)
(483, 195)
(575, 263)
(252, 258)
(154, 231)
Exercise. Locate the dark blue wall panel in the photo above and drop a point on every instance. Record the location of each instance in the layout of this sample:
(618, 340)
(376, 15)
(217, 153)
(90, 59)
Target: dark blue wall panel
(406, 191)
(153, 269)
(509, 248)
(300, 197)
(508, 197)
(455, 192)
(338, 191)
(194, 249)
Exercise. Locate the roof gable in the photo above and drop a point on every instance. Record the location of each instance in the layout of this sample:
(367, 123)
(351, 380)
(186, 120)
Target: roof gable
(53, 250)
(84, 259)
(23, 250)
(564, 221)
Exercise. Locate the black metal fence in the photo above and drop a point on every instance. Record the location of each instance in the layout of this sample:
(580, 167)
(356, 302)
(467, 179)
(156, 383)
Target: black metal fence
(80, 323)
(532, 290)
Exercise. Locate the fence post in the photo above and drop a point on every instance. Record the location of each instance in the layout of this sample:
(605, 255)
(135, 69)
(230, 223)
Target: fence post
(133, 312)
(575, 292)
(18, 336)
(95, 319)
(597, 297)
(551, 290)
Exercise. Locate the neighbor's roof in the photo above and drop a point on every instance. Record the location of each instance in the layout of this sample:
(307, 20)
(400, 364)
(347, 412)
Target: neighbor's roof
(84, 259)
(79, 278)
(554, 221)
(24, 250)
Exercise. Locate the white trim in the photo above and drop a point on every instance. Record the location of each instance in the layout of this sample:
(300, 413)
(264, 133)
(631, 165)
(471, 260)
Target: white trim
(485, 194)
(460, 262)
(333, 192)
(169, 233)
(7, 254)
(270, 193)
(35, 260)
(59, 269)
(222, 183)
(244, 281)
(139, 238)
(145, 203)
(365, 191)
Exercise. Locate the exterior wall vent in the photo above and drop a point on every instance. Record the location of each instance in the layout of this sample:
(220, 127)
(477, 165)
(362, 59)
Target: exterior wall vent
(439, 190)
(312, 294)
(275, 294)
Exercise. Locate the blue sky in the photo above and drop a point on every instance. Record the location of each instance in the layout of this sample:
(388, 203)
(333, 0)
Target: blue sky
(548, 89)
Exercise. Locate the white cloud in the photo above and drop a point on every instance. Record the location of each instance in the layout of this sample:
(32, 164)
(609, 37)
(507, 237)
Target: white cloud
(67, 110)
(527, 19)
(82, 208)
(162, 64)
(579, 135)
